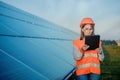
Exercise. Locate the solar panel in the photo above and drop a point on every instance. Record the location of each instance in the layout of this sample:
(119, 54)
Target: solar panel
(33, 48)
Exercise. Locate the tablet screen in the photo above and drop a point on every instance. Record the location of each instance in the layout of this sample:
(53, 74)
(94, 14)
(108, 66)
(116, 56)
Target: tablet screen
(92, 41)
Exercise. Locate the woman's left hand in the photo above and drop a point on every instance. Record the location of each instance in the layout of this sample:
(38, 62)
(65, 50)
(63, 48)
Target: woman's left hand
(98, 50)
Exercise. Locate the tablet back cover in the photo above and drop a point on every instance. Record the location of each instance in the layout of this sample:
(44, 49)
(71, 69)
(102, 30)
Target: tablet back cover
(92, 41)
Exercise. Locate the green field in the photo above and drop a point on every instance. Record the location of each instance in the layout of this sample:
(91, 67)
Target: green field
(110, 67)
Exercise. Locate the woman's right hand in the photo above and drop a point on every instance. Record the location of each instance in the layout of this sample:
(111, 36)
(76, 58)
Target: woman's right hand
(84, 47)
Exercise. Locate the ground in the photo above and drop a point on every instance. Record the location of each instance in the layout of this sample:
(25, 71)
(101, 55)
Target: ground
(110, 67)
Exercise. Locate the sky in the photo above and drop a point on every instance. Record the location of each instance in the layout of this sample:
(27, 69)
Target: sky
(69, 13)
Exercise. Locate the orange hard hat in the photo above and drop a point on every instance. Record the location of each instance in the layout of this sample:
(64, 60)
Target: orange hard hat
(86, 21)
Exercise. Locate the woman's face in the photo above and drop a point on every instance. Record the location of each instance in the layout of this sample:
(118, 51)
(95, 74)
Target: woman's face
(88, 29)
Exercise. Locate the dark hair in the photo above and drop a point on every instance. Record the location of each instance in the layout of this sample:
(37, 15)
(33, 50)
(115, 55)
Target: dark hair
(82, 34)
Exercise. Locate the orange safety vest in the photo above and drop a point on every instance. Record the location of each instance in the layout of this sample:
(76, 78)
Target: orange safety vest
(90, 62)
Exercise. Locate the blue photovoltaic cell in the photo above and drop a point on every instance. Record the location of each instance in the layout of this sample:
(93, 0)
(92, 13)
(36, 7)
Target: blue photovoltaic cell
(32, 48)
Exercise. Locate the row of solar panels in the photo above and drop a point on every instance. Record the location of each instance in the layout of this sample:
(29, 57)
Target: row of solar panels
(32, 48)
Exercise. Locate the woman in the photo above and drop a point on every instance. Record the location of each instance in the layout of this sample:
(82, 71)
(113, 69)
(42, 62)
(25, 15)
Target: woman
(87, 61)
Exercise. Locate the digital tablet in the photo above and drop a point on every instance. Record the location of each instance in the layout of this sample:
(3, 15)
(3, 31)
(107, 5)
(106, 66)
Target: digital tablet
(92, 41)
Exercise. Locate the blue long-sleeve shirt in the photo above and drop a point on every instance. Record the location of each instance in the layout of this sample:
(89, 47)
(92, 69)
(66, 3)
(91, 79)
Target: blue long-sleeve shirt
(78, 55)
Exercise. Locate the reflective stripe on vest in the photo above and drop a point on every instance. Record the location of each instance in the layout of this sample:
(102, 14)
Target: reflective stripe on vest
(90, 54)
(88, 65)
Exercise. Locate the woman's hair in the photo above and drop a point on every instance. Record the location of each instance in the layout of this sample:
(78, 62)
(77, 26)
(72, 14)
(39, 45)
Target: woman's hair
(82, 33)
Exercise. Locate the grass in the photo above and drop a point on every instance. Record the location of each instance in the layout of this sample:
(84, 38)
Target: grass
(111, 64)
(110, 67)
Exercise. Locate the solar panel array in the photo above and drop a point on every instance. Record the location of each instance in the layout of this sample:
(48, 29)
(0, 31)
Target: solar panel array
(32, 48)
